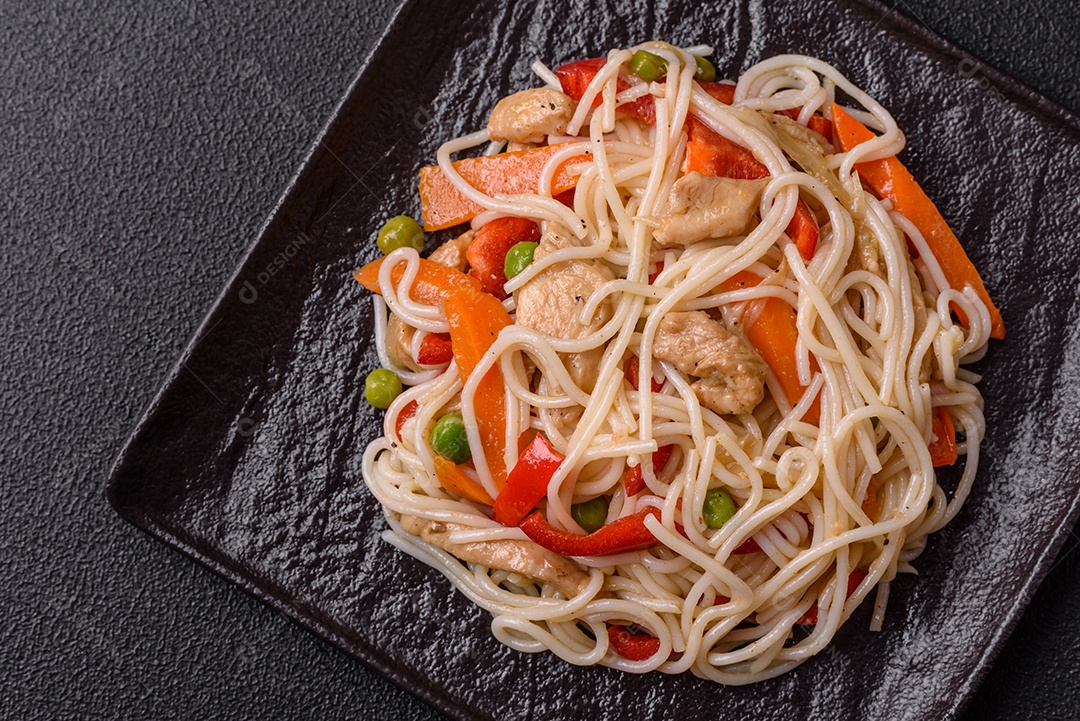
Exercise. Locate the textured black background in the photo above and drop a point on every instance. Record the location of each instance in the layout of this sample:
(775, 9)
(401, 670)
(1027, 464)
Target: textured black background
(140, 150)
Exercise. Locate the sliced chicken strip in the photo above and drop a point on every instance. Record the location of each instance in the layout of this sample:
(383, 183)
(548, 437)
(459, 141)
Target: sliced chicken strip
(731, 374)
(552, 301)
(452, 252)
(524, 557)
(701, 206)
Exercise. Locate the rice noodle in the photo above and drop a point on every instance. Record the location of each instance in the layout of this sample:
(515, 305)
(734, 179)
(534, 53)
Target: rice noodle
(801, 489)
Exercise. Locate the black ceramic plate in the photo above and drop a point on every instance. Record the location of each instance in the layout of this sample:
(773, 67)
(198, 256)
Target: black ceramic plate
(248, 459)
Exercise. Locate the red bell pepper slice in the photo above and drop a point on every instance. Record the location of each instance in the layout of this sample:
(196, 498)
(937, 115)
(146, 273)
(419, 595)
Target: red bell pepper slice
(943, 449)
(527, 482)
(810, 618)
(634, 482)
(630, 370)
(632, 645)
(487, 251)
(625, 534)
(435, 350)
(406, 413)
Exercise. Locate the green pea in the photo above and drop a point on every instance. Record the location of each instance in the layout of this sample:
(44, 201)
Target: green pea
(381, 387)
(401, 231)
(647, 66)
(705, 69)
(449, 439)
(518, 258)
(718, 507)
(591, 514)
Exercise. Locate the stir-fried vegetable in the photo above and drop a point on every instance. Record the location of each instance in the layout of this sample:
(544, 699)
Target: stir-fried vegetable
(890, 179)
(449, 439)
(634, 482)
(488, 251)
(705, 70)
(434, 281)
(943, 448)
(381, 387)
(718, 507)
(527, 481)
(624, 534)
(476, 319)
(648, 66)
(518, 258)
(435, 350)
(632, 645)
(454, 480)
(442, 205)
(401, 231)
(591, 514)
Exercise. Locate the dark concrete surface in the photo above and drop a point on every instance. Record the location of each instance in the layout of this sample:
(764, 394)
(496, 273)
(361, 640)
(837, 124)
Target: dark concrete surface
(142, 144)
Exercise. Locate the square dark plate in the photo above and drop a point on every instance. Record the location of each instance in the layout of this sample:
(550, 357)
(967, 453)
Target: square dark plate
(248, 458)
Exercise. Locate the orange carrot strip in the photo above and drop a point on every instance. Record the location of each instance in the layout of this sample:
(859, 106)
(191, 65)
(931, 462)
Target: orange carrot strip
(769, 326)
(475, 321)
(433, 281)
(441, 205)
(454, 480)
(890, 179)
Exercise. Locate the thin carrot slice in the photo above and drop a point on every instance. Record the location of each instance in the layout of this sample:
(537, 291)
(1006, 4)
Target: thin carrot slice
(476, 319)
(454, 480)
(890, 179)
(441, 205)
(433, 281)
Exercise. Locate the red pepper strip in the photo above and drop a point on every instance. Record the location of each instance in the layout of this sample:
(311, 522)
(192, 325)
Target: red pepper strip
(454, 480)
(567, 197)
(943, 449)
(631, 372)
(634, 482)
(769, 325)
(487, 251)
(747, 546)
(631, 645)
(435, 350)
(810, 618)
(890, 179)
(406, 413)
(527, 482)
(625, 534)
(576, 76)
(653, 275)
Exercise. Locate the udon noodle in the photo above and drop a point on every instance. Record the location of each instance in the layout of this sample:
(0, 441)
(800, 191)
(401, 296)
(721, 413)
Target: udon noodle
(835, 493)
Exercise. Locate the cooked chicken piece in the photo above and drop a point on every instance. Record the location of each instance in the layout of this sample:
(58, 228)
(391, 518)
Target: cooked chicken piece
(732, 375)
(530, 116)
(399, 337)
(701, 206)
(524, 557)
(800, 132)
(552, 301)
(452, 252)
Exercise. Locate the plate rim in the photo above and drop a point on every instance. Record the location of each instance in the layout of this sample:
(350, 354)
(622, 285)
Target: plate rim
(907, 29)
